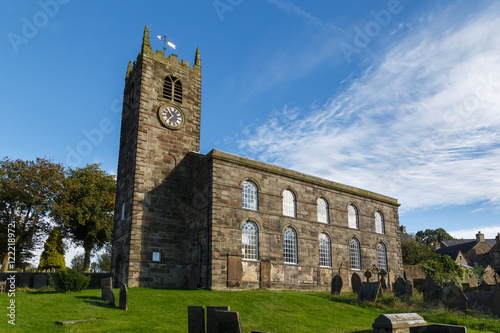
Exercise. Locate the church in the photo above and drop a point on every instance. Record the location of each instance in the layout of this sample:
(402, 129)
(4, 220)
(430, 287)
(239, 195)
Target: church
(221, 221)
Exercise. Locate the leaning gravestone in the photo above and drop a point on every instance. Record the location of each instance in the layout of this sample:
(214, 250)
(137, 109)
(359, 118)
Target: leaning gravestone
(123, 302)
(454, 297)
(369, 291)
(397, 323)
(336, 285)
(495, 301)
(211, 319)
(431, 290)
(107, 295)
(402, 289)
(40, 281)
(228, 321)
(355, 283)
(196, 319)
(382, 278)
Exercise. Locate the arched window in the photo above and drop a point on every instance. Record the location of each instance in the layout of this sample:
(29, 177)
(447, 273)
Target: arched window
(290, 246)
(172, 89)
(355, 254)
(249, 195)
(250, 241)
(379, 223)
(322, 210)
(381, 256)
(325, 257)
(123, 211)
(352, 217)
(289, 203)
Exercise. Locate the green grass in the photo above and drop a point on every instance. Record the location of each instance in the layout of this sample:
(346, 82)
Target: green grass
(152, 310)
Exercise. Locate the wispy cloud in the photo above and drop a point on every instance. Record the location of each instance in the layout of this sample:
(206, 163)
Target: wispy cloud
(489, 232)
(422, 124)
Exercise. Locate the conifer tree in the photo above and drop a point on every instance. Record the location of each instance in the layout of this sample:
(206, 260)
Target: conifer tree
(53, 253)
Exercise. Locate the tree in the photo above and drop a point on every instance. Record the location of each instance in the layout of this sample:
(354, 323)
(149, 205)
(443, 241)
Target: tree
(85, 208)
(415, 253)
(429, 236)
(27, 192)
(104, 260)
(443, 268)
(53, 253)
(77, 262)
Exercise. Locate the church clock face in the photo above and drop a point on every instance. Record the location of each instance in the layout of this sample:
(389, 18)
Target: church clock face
(171, 116)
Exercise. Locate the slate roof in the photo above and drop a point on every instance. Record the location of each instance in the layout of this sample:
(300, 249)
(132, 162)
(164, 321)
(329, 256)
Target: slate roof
(464, 245)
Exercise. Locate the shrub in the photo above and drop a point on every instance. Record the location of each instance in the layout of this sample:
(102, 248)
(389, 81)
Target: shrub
(71, 280)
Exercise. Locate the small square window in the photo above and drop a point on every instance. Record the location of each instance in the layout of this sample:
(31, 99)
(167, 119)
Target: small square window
(156, 256)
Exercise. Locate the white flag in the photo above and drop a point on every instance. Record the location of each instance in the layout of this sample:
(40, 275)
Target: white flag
(172, 45)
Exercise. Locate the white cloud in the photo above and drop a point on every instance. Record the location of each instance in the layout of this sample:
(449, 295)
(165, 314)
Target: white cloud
(489, 232)
(421, 125)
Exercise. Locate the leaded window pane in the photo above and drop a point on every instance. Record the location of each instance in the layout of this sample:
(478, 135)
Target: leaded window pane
(324, 251)
(249, 241)
(352, 217)
(381, 256)
(355, 254)
(288, 203)
(379, 223)
(290, 246)
(249, 195)
(322, 210)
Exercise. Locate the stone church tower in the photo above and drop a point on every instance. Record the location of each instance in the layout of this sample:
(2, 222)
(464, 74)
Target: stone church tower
(160, 126)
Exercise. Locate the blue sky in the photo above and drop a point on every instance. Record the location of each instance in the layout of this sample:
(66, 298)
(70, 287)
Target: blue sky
(397, 97)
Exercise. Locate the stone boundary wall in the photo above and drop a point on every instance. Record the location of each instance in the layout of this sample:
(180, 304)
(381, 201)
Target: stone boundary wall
(27, 280)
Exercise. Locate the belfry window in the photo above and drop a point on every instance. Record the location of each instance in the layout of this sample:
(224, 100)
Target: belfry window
(249, 241)
(290, 246)
(172, 89)
(355, 254)
(249, 195)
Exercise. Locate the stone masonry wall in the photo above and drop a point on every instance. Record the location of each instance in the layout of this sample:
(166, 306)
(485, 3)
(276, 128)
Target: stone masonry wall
(229, 171)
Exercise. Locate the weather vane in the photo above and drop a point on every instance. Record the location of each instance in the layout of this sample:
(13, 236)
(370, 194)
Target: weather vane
(166, 42)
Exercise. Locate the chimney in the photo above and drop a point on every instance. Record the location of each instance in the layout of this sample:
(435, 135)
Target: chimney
(402, 229)
(437, 245)
(479, 237)
(498, 238)
(440, 237)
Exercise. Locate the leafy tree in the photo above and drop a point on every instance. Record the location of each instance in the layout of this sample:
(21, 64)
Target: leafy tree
(85, 208)
(415, 253)
(77, 262)
(429, 236)
(443, 268)
(27, 192)
(104, 260)
(53, 253)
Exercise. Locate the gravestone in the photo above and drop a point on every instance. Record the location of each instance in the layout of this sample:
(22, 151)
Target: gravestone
(369, 291)
(265, 275)
(234, 272)
(382, 278)
(228, 321)
(453, 297)
(123, 301)
(402, 289)
(479, 300)
(107, 282)
(211, 320)
(40, 281)
(397, 323)
(336, 285)
(495, 301)
(355, 283)
(368, 275)
(196, 319)
(107, 295)
(430, 290)
(391, 278)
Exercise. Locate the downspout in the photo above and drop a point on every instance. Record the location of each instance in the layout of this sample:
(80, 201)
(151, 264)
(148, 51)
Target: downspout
(209, 194)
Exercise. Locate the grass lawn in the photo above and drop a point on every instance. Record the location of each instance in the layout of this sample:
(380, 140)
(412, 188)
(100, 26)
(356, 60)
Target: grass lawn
(153, 310)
